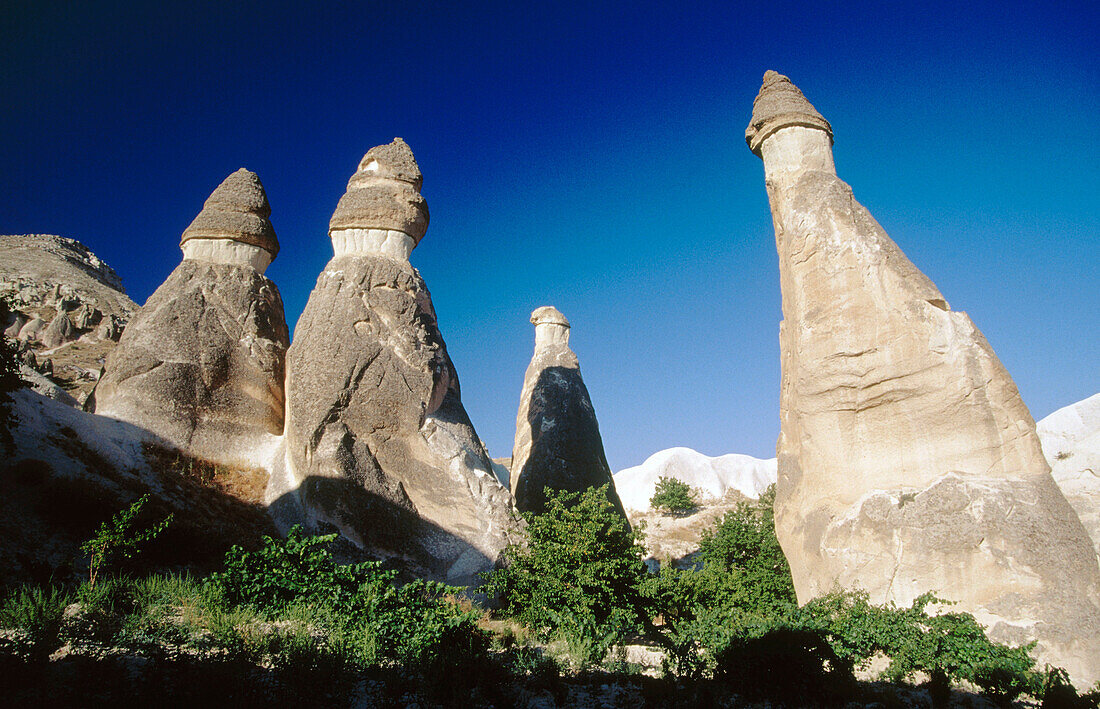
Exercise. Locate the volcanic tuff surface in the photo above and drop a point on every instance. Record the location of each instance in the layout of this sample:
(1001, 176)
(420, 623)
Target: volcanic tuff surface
(907, 461)
(377, 440)
(201, 365)
(68, 306)
(1071, 443)
(558, 443)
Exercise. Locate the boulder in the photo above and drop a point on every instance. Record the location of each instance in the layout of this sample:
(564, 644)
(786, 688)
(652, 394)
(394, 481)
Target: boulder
(377, 442)
(907, 461)
(558, 443)
(59, 331)
(32, 330)
(202, 363)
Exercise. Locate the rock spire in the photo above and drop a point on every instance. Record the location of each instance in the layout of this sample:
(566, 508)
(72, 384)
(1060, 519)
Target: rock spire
(377, 441)
(382, 211)
(201, 364)
(233, 226)
(907, 460)
(558, 443)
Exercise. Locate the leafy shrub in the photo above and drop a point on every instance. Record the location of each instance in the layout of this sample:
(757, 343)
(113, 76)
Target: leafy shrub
(784, 663)
(673, 496)
(579, 571)
(370, 620)
(116, 539)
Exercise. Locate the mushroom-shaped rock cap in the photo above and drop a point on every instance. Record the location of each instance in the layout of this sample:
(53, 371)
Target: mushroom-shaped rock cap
(548, 315)
(778, 105)
(394, 161)
(236, 210)
(384, 193)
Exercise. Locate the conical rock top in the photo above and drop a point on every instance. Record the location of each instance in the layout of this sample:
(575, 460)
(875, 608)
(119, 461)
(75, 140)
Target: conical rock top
(236, 210)
(384, 193)
(778, 105)
(558, 443)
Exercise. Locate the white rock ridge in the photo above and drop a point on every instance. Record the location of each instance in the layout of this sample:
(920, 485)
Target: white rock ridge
(1071, 443)
(907, 461)
(711, 477)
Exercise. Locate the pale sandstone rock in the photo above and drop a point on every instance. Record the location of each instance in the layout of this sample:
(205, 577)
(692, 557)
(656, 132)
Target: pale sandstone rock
(907, 460)
(59, 331)
(41, 274)
(202, 363)
(377, 441)
(33, 330)
(1071, 444)
(558, 443)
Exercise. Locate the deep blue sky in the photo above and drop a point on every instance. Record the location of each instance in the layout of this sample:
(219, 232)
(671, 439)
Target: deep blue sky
(589, 157)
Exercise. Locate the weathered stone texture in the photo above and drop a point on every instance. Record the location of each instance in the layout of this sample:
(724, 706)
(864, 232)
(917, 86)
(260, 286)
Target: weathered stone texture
(907, 460)
(558, 443)
(202, 363)
(377, 441)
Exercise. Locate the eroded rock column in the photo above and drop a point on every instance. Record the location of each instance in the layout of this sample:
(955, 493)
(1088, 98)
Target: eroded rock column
(201, 364)
(378, 442)
(558, 443)
(907, 460)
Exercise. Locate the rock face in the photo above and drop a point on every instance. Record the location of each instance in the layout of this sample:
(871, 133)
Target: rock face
(711, 477)
(907, 461)
(202, 363)
(558, 442)
(66, 305)
(377, 440)
(1071, 443)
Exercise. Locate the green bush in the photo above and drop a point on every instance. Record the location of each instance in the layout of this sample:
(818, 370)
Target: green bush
(789, 664)
(370, 620)
(116, 539)
(579, 570)
(673, 496)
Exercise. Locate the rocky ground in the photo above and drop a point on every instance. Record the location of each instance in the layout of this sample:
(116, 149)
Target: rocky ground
(68, 308)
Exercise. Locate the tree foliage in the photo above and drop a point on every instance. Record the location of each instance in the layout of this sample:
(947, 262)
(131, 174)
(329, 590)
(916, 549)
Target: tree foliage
(673, 496)
(578, 569)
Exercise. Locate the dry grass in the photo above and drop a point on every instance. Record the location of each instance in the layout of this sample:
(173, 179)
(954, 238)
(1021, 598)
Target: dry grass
(246, 484)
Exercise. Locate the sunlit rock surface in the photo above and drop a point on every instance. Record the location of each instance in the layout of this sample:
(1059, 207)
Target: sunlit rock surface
(907, 461)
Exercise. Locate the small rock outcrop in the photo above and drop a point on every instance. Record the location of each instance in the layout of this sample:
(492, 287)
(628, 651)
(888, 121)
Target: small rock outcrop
(202, 364)
(1071, 443)
(61, 294)
(377, 440)
(558, 443)
(907, 461)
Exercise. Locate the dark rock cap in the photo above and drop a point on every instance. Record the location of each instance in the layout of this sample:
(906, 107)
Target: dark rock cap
(384, 193)
(236, 210)
(778, 105)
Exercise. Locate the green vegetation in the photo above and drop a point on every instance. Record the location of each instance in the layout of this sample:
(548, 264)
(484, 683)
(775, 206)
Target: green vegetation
(673, 496)
(116, 539)
(288, 623)
(579, 576)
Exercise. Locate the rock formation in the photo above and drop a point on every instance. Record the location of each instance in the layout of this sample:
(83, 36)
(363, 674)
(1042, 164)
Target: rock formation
(711, 478)
(377, 440)
(1071, 443)
(907, 461)
(201, 365)
(558, 442)
(64, 300)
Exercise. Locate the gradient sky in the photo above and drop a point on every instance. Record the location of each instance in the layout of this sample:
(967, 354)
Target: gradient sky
(590, 157)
